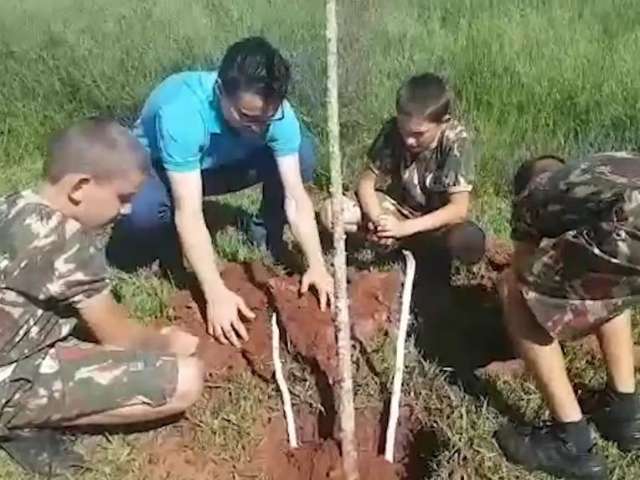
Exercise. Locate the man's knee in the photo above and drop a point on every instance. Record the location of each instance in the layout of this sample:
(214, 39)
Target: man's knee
(151, 208)
(190, 383)
(351, 214)
(467, 243)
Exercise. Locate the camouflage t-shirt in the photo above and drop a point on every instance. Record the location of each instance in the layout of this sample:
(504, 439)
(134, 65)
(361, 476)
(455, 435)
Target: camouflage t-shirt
(424, 182)
(585, 219)
(49, 265)
(600, 189)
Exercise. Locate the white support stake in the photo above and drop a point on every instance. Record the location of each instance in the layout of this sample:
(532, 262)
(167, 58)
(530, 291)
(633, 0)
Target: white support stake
(282, 383)
(399, 368)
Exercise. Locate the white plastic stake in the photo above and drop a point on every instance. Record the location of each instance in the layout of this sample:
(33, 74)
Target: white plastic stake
(282, 383)
(399, 367)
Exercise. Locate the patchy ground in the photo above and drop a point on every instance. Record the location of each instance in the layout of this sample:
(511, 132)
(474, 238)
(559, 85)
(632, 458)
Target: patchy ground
(449, 412)
(309, 339)
(310, 336)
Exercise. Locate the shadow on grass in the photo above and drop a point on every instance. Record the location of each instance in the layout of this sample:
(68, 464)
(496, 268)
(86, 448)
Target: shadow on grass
(460, 328)
(130, 253)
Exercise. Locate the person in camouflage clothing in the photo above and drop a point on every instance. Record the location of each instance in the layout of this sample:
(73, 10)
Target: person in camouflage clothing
(53, 278)
(416, 189)
(576, 270)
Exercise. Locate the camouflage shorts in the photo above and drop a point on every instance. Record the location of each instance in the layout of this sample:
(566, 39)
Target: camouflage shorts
(566, 319)
(76, 379)
(573, 291)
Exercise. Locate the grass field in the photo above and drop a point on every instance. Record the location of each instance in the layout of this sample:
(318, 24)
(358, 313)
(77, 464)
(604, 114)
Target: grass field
(531, 76)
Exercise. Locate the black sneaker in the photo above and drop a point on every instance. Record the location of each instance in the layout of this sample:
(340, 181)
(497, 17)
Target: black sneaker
(617, 418)
(45, 452)
(546, 449)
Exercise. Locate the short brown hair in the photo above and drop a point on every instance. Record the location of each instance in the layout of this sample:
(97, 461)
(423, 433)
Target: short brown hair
(98, 147)
(425, 95)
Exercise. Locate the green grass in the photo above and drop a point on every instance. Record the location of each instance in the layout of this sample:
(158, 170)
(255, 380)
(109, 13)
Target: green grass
(227, 422)
(531, 76)
(66, 59)
(146, 295)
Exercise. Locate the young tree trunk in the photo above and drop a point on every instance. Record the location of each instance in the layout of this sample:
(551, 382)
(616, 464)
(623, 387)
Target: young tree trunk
(347, 414)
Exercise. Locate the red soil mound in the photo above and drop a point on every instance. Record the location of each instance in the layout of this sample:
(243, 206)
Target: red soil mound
(318, 459)
(374, 301)
(224, 360)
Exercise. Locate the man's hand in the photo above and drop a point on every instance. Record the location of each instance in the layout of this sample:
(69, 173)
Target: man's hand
(389, 226)
(223, 320)
(319, 278)
(180, 342)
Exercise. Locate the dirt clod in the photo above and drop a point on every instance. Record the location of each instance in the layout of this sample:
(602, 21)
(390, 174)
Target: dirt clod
(222, 361)
(374, 305)
(374, 302)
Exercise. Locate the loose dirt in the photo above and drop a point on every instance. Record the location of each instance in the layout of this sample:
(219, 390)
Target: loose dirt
(222, 361)
(309, 333)
(320, 459)
(374, 299)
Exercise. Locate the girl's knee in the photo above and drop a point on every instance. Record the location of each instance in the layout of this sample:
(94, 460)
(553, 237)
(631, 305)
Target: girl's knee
(467, 243)
(351, 214)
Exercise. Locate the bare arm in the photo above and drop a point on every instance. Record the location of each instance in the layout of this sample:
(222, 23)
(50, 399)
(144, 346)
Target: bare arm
(186, 189)
(301, 217)
(222, 304)
(299, 210)
(111, 325)
(456, 211)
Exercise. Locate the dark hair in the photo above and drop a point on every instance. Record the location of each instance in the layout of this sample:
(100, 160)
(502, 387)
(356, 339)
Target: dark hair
(531, 168)
(254, 65)
(98, 147)
(425, 95)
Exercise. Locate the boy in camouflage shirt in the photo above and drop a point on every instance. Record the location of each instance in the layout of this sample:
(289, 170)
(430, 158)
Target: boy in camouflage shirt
(53, 277)
(576, 270)
(417, 187)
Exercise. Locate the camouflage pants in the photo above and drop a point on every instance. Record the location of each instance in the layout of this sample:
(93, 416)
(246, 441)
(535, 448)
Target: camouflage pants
(464, 242)
(76, 379)
(573, 287)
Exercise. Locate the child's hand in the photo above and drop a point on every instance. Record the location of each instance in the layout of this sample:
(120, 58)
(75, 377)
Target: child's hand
(180, 342)
(390, 227)
(371, 232)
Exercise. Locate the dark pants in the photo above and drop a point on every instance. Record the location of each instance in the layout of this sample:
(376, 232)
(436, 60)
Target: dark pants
(148, 232)
(464, 242)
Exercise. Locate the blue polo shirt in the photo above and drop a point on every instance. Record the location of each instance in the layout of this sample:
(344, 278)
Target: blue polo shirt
(183, 128)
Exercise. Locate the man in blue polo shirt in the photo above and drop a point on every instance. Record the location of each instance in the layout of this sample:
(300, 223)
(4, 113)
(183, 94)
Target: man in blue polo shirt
(214, 132)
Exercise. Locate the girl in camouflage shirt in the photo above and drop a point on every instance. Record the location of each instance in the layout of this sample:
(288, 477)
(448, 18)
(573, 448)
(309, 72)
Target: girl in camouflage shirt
(417, 187)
